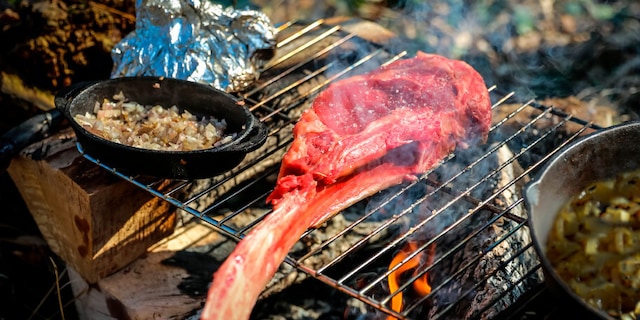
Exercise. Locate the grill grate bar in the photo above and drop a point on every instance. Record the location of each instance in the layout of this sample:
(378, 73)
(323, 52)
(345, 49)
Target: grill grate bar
(442, 185)
(302, 48)
(414, 229)
(251, 224)
(451, 251)
(302, 97)
(515, 112)
(299, 33)
(491, 207)
(239, 192)
(467, 293)
(363, 241)
(283, 26)
(293, 85)
(277, 99)
(177, 203)
(503, 100)
(344, 72)
(434, 214)
(477, 284)
(513, 286)
(395, 58)
(458, 247)
(289, 71)
(348, 290)
(347, 70)
(195, 197)
(573, 137)
(174, 185)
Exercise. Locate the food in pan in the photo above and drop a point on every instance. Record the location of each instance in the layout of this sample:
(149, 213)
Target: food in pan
(361, 135)
(594, 245)
(153, 126)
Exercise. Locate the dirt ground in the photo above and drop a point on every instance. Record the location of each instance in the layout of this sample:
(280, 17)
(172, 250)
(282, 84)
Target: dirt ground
(584, 51)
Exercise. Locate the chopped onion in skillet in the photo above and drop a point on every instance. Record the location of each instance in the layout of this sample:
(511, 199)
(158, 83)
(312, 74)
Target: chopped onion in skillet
(153, 127)
(594, 245)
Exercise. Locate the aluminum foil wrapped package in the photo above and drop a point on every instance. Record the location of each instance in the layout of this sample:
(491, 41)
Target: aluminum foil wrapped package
(196, 40)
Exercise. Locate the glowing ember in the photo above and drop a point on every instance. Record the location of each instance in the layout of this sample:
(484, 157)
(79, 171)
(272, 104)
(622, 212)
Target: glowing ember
(420, 286)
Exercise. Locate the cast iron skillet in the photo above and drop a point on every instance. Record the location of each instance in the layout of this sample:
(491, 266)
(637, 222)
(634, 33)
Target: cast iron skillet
(199, 99)
(598, 156)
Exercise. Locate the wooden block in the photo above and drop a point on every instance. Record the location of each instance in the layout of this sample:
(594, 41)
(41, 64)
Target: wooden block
(96, 222)
(149, 288)
(146, 289)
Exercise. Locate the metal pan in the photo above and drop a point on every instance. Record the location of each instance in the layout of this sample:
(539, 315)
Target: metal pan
(199, 99)
(599, 156)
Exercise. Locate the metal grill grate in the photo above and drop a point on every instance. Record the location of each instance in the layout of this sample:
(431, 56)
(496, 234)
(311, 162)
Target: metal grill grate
(449, 215)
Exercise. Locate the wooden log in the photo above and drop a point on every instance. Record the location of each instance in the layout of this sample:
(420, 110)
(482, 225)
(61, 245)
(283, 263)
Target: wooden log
(150, 287)
(96, 222)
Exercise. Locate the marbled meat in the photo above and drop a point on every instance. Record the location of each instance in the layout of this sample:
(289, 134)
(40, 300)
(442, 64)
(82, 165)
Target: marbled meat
(361, 135)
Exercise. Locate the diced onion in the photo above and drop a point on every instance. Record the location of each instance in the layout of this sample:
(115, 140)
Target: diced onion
(594, 245)
(153, 127)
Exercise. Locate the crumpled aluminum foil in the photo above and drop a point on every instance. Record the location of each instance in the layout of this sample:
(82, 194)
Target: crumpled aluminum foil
(196, 40)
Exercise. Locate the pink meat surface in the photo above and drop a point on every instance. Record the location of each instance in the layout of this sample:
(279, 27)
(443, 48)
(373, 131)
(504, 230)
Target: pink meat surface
(361, 135)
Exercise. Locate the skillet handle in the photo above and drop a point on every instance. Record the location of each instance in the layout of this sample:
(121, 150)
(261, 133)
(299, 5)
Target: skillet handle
(26, 133)
(63, 97)
(257, 137)
(37, 127)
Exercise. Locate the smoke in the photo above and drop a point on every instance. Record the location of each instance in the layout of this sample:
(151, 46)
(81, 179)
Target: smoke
(538, 49)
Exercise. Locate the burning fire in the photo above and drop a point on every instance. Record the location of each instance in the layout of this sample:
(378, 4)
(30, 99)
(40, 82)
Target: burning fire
(421, 285)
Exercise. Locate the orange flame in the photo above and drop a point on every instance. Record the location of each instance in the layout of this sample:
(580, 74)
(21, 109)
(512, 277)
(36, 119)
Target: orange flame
(420, 286)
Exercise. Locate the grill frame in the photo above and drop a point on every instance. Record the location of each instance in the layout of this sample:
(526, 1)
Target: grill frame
(268, 110)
